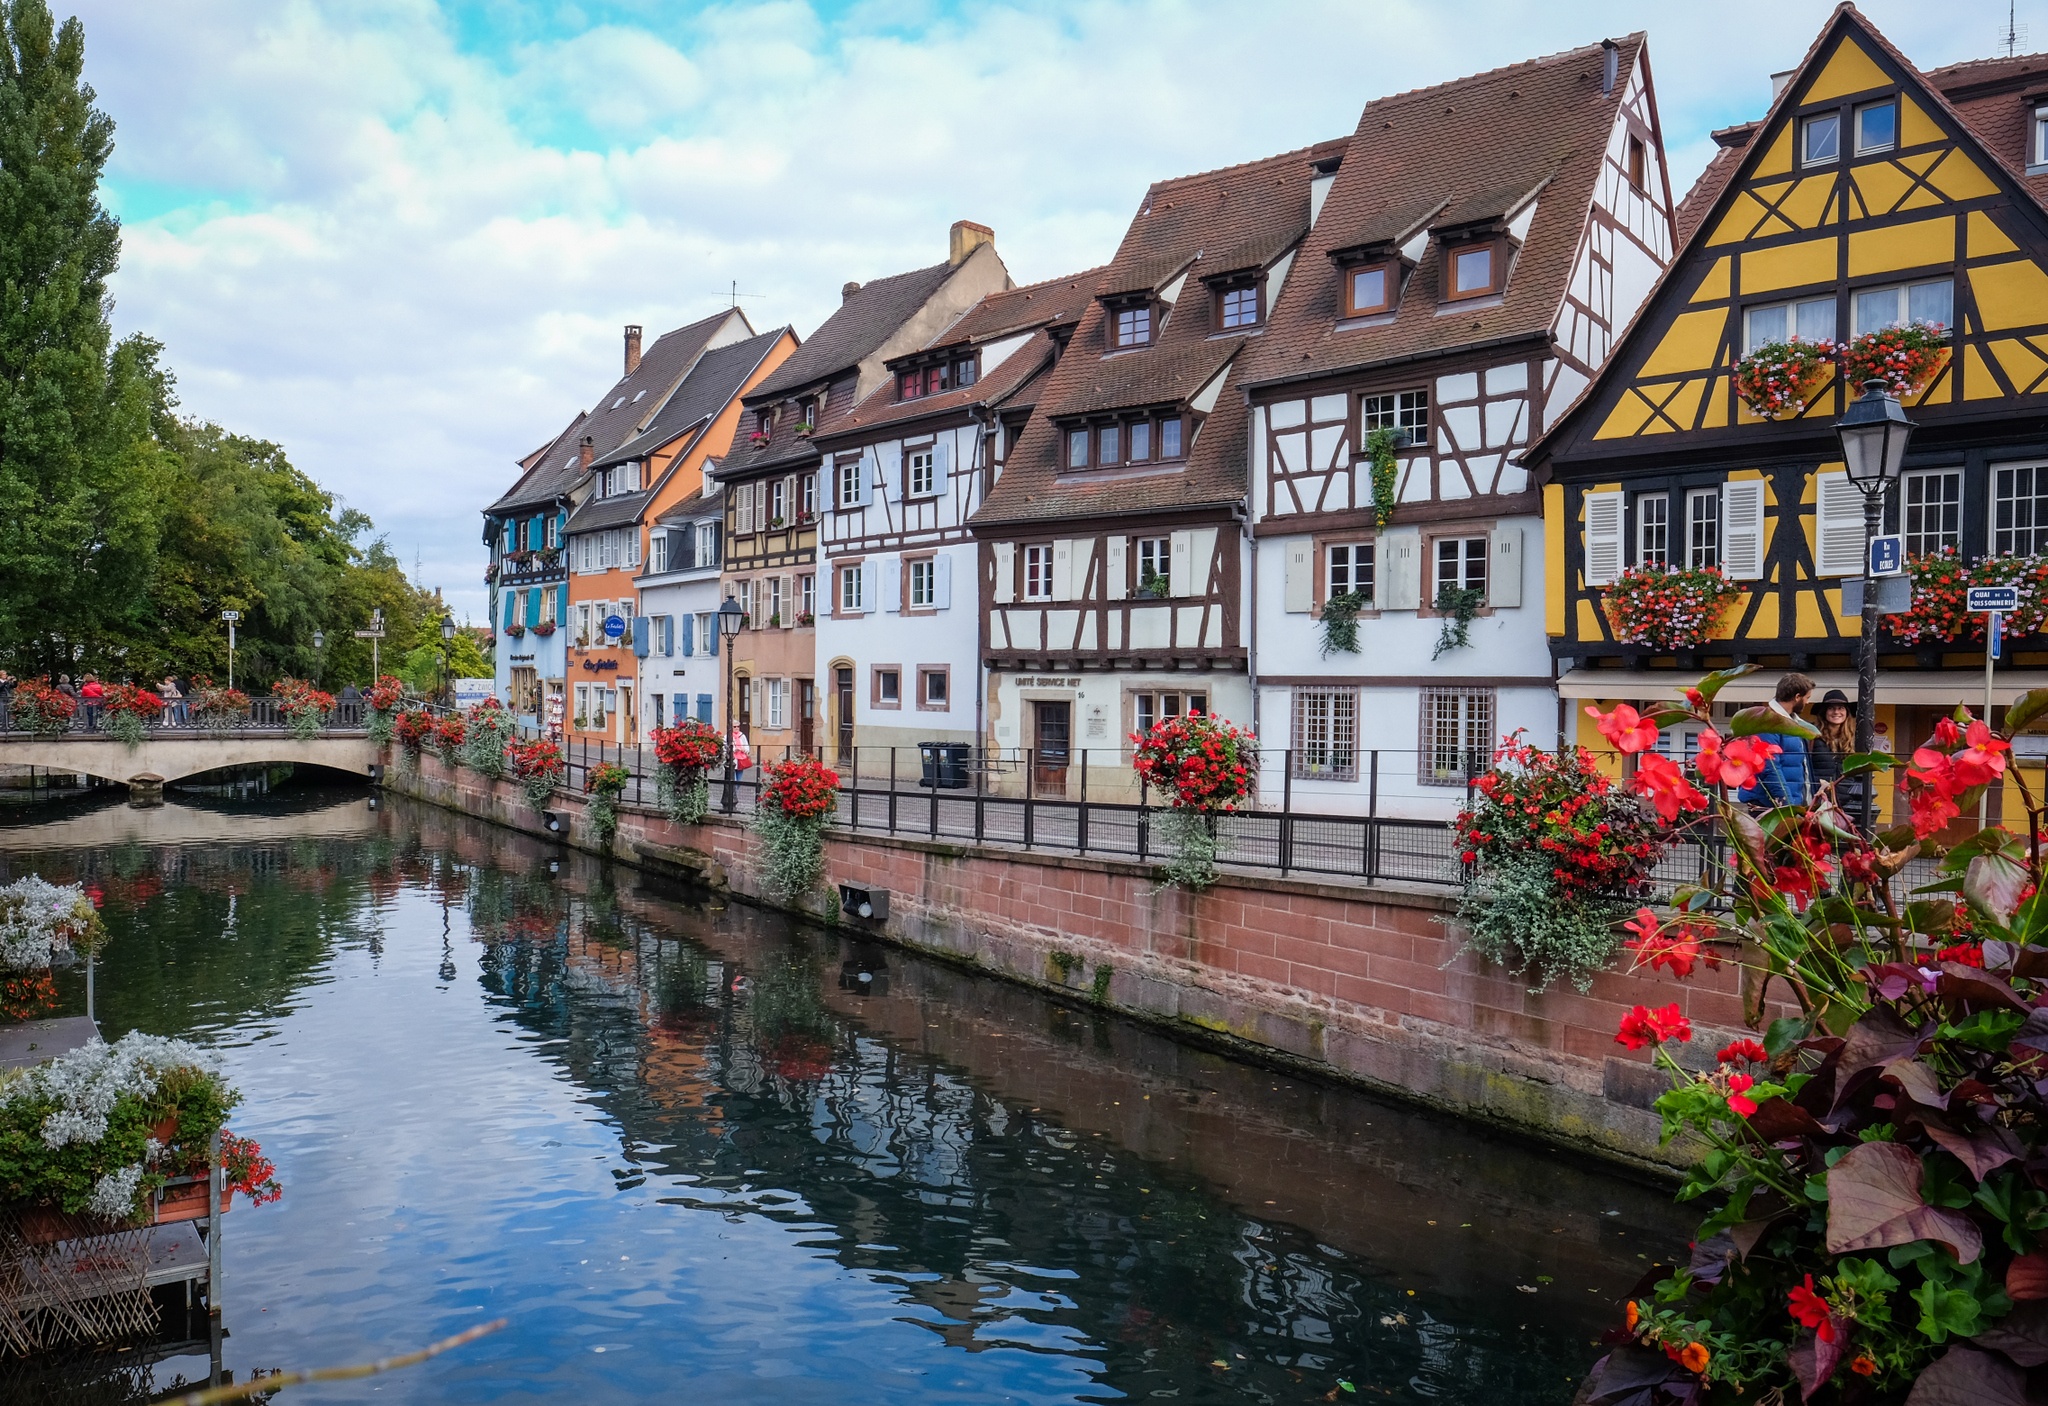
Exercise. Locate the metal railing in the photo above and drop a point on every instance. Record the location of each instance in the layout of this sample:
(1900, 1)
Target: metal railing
(349, 715)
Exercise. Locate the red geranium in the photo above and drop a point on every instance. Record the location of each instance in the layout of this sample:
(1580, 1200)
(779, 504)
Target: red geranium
(688, 746)
(1199, 762)
(802, 788)
(386, 694)
(1643, 1026)
(538, 760)
(413, 728)
(133, 700)
(38, 707)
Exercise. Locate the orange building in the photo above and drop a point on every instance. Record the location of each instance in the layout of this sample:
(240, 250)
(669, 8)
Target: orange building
(641, 453)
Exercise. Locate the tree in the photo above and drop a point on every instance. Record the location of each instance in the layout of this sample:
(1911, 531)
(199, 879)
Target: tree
(78, 527)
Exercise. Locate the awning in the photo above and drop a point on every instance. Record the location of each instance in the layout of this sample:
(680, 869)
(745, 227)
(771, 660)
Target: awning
(1942, 689)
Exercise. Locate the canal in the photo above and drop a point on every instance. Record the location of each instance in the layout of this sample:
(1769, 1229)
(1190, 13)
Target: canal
(699, 1152)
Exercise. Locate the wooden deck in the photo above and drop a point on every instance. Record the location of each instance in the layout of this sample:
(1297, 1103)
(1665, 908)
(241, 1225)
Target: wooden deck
(34, 1041)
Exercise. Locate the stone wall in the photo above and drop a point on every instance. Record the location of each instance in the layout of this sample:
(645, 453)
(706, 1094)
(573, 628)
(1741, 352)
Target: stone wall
(1365, 984)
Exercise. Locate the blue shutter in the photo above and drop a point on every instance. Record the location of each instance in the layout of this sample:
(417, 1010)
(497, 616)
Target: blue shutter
(711, 638)
(532, 608)
(703, 707)
(562, 613)
(689, 635)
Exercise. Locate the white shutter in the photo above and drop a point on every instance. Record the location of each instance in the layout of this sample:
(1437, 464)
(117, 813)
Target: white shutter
(1742, 529)
(1838, 526)
(1004, 556)
(892, 584)
(1402, 552)
(743, 509)
(942, 581)
(1180, 569)
(866, 572)
(942, 465)
(1504, 572)
(1116, 557)
(1603, 537)
(1299, 597)
(893, 479)
(1062, 569)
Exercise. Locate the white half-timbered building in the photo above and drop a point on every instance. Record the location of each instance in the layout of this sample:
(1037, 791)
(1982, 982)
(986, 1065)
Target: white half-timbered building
(1479, 248)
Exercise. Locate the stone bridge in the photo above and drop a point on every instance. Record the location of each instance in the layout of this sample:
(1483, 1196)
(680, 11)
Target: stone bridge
(167, 755)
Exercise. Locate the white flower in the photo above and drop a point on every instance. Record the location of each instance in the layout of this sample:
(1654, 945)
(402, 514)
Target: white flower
(38, 918)
(87, 1082)
(113, 1195)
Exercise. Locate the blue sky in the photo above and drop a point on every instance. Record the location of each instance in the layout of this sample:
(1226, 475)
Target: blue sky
(400, 237)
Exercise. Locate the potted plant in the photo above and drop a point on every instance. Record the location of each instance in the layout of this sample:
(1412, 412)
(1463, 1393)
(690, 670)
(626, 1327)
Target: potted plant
(490, 573)
(40, 920)
(515, 630)
(487, 729)
(305, 708)
(413, 730)
(551, 557)
(1379, 446)
(775, 621)
(1778, 379)
(1670, 610)
(1906, 359)
(1205, 767)
(796, 799)
(806, 619)
(127, 711)
(775, 522)
(449, 733)
(1152, 585)
(217, 709)
(538, 767)
(39, 708)
(544, 628)
(605, 782)
(686, 752)
(381, 704)
(804, 430)
(758, 438)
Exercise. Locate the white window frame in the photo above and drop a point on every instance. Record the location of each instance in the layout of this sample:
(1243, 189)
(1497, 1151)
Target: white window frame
(920, 472)
(924, 583)
(1914, 483)
(1038, 571)
(1864, 148)
(1401, 410)
(1808, 124)
(2009, 539)
(1472, 557)
(1471, 714)
(1825, 315)
(807, 595)
(778, 703)
(1360, 559)
(1653, 529)
(1703, 511)
(852, 590)
(2038, 146)
(1903, 306)
(851, 480)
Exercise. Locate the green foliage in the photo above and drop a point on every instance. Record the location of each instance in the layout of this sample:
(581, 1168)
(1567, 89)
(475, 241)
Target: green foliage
(1519, 919)
(1379, 448)
(1191, 836)
(1340, 623)
(420, 666)
(1458, 605)
(793, 849)
(1099, 987)
(685, 800)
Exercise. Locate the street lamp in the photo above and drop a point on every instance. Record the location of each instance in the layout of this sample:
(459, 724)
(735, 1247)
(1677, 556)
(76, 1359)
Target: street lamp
(447, 643)
(730, 619)
(1874, 433)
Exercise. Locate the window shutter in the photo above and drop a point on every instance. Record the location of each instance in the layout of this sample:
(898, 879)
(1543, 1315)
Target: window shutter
(1838, 526)
(1603, 538)
(1742, 529)
(867, 587)
(743, 508)
(1504, 572)
(1004, 555)
(563, 613)
(1063, 568)
(893, 484)
(711, 635)
(942, 464)
(1180, 570)
(689, 636)
(532, 606)
(1299, 595)
(1402, 551)
(942, 581)
(632, 535)
(1116, 557)
(790, 605)
(892, 584)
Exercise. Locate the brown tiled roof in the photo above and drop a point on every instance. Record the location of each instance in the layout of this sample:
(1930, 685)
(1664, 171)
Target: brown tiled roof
(1692, 211)
(861, 323)
(1479, 144)
(710, 386)
(541, 480)
(1200, 223)
(1389, 224)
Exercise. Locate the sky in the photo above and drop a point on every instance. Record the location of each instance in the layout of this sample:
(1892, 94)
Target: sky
(401, 237)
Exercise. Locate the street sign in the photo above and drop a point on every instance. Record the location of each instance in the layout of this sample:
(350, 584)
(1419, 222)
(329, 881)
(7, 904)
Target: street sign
(1887, 555)
(2000, 598)
(614, 627)
(1894, 595)
(1996, 643)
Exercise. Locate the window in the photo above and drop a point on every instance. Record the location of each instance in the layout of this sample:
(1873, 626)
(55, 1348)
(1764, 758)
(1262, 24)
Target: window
(1151, 709)
(917, 473)
(707, 631)
(582, 624)
(1141, 441)
(1038, 573)
(1077, 449)
(548, 599)
(934, 688)
(582, 704)
(1703, 529)
(1155, 566)
(1109, 440)
(1809, 320)
(707, 544)
(850, 471)
(1820, 138)
(807, 491)
(778, 502)
(554, 532)
(1350, 570)
(1367, 290)
(778, 702)
(2019, 508)
(1653, 530)
(510, 538)
(2039, 149)
(852, 598)
(1133, 327)
(807, 596)
(924, 594)
(1169, 438)
(1461, 564)
(1875, 309)
(1931, 510)
(1638, 163)
(1877, 126)
(743, 695)
(657, 552)
(1472, 271)
(910, 385)
(1457, 734)
(775, 615)
(764, 421)
(888, 687)
(1326, 733)
(1241, 306)
(1403, 410)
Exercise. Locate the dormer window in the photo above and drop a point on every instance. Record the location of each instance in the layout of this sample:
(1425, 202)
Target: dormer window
(1369, 289)
(2037, 152)
(1128, 441)
(1474, 269)
(1077, 449)
(764, 421)
(1877, 126)
(935, 380)
(1134, 326)
(1238, 304)
(1820, 139)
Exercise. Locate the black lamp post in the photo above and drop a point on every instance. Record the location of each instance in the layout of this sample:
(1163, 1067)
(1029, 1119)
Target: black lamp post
(730, 620)
(447, 643)
(1874, 433)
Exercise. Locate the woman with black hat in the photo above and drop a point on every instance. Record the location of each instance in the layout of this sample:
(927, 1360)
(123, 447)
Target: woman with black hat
(1837, 740)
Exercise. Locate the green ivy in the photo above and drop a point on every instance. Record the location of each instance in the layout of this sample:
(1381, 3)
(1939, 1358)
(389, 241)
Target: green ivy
(1380, 445)
(1340, 623)
(1458, 605)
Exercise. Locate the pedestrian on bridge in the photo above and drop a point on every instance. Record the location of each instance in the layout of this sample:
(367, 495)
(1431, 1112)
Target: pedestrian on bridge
(174, 702)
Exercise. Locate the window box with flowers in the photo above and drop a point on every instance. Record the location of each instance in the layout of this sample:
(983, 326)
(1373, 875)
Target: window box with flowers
(551, 557)
(1675, 611)
(38, 707)
(1941, 585)
(758, 438)
(1778, 379)
(544, 628)
(805, 620)
(686, 752)
(1906, 359)
(515, 630)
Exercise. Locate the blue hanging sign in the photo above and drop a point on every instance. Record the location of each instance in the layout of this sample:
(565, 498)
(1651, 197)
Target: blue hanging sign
(614, 627)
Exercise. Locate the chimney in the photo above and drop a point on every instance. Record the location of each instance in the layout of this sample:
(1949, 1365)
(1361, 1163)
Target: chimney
(847, 290)
(1610, 65)
(585, 452)
(1779, 82)
(632, 347)
(967, 237)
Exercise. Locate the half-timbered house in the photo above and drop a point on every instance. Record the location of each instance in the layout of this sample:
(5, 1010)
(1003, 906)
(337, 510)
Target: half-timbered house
(1111, 581)
(1870, 196)
(773, 485)
(1477, 248)
(905, 469)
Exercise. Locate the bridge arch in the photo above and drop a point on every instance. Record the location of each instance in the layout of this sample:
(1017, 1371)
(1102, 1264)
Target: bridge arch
(160, 759)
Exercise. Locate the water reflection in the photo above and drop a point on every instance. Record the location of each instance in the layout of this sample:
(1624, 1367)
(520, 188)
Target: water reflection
(691, 1148)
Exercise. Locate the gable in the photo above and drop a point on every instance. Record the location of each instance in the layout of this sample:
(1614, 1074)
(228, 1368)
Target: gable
(1933, 207)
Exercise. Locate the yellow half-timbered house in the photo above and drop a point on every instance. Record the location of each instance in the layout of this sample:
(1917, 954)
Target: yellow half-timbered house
(1870, 196)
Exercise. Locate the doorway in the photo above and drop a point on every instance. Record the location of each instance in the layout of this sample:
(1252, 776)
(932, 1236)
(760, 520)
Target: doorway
(807, 717)
(1052, 734)
(842, 683)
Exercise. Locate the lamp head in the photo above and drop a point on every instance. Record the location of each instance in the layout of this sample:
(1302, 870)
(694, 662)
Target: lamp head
(730, 618)
(447, 627)
(1874, 432)
(319, 639)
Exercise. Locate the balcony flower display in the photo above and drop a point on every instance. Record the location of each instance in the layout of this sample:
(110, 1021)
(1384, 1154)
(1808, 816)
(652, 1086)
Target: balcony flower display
(1906, 359)
(305, 709)
(796, 800)
(515, 630)
(413, 730)
(1941, 585)
(605, 783)
(686, 751)
(1666, 609)
(544, 629)
(127, 711)
(39, 708)
(1778, 379)
(1204, 767)
(382, 702)
(538, 768)
(217, 709)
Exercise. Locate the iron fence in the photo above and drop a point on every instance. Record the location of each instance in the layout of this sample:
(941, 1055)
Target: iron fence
(348, 715)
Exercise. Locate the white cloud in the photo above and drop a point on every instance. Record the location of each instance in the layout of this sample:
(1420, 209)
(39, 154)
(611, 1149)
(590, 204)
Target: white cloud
(405, 253)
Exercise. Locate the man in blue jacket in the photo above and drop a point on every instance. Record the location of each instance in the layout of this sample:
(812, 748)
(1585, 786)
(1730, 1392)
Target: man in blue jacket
(1784, 780)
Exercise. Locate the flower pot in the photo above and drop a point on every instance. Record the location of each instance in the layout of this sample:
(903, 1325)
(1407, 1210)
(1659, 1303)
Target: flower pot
(186, 1201)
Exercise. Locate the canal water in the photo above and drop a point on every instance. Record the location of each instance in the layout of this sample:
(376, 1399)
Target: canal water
(696, 1152)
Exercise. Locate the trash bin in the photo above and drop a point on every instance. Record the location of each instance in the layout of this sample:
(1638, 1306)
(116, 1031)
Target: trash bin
(944, 765)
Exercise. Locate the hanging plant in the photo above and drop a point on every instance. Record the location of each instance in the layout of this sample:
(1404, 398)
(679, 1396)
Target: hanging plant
(538, 767)
(303, 707)
(41, 709)
(385, 698)
(218, 709)
(448, 736)
(413, 729)
(1668, 610)
(605, 782)
(797, 797)
(1380, 445)
(1779, 378)
(127, 711)
(487, 730)
(686, 752)
(1941, 584)
(1458, 605)
(1906, 359)
(1205, 767)
(1340, 623)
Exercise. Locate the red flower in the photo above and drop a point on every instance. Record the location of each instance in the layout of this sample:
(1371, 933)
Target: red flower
(1968, 953)
(1661, 780)
(1643, 1026)
(1983, 760)
(1810, 1310)
(1627, 729)
(1741, 760)
(1738, 1094)
(1743, 1050)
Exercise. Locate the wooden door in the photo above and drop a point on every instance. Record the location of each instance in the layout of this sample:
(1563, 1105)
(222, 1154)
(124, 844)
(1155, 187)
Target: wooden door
(843, 681)
(1052, 736)
(807, 716)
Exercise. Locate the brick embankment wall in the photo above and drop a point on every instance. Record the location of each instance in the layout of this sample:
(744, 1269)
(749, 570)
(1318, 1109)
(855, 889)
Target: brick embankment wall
(1368, 984)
